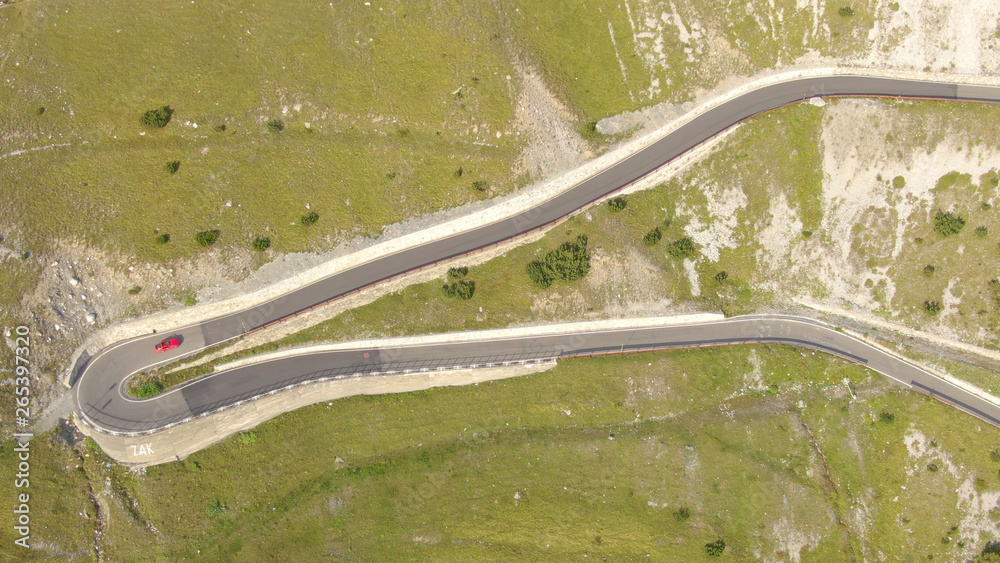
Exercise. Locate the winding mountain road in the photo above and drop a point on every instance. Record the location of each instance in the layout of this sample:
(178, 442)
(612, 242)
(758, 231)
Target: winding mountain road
(98, 387)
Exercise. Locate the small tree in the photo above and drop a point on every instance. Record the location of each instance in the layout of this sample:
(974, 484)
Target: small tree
(715, 549)
(929, 270)
(948, 224)
(220, 128)
(590, 127)
(683, 248)
(617, 204)
(846, 11)
(310, 218)
(463, 289)
(261, 244)
(932, 307)
(207, 238)
(158, 117)
(982, 231)
(172, 167)
(163, 238)
(459, 172)
(721, 276)
(458, 273)
(135, 290)
(652, 237)
(540, 273)
(275, 125)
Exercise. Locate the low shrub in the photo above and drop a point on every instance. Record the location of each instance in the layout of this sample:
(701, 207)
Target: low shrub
(458, 273)
(617, 204)
(982, 231)
(715, 549)
(148, 389)
(135, 290)
(932, 307)
(261, 244)
(569, 262)
(683, 248)
(846, 11)
(463, 289)
(172, 167)
(948, 224)
(480, 185)
(207, 238)
(158, 117)
(310, 218)
(163, 238)
(275, 125)
(652, 237)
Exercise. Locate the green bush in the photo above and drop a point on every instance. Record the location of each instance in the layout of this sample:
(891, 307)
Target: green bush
(683, 248)
(457, 273)
(207, 238)
(463, 289)
(173, 166)
(982, 231)
(220, 128)
(617, 204)
(39, 111)
(721, 276)
(590, 127)
(932, 307)
(682, 514)
(652, 237)
(216, 508)
(899, 182)
(148, 389)
(310, 218)
(275, 125)
(248, 438)
(540, 273)
(846, 11)
(929, 270)
(806, 233)
(995, 456)
(948, 224)
(459, 172)
(480, 185)
(715, 549)
(932, 467)
(135, 290)
(158, 117)
(261, 244)
(390, 176)
(163, 239)
(886, 417)
(569, 262)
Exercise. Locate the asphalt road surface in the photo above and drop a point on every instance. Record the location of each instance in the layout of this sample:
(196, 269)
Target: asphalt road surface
(99, 399)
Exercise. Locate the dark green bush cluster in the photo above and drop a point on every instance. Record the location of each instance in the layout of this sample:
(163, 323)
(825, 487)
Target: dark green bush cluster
(982, 231)
(682, 514)
(617, 204)
(135, 290)
(310, 218)
(480, 185)
(261, 244)
(652, 237)
(721, 277)
(846, 11)
(276, 126)
(172, 167)
(207, 238)
(932, 307)
(459, 287)
(929, 270)
(886, 417)
(163, 238)
(683, 248)
(158, 117)
(463, 289)
(571, 261)
(948, 224)
(715, 549)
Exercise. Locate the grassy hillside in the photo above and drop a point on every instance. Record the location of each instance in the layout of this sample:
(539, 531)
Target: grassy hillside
(764, 448)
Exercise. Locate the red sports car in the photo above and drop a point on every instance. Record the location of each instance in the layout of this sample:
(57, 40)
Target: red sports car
(168, 344)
